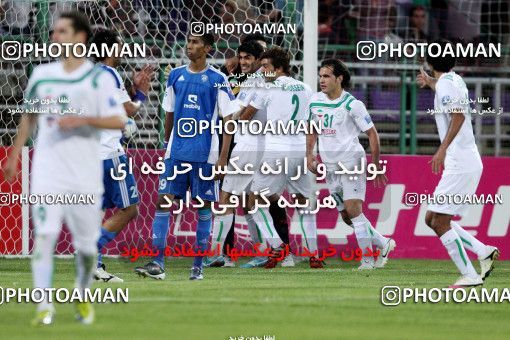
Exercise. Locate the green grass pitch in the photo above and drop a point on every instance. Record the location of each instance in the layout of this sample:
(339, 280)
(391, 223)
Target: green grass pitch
(288, 303)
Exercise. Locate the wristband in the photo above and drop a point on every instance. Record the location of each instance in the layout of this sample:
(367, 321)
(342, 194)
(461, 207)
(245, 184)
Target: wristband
(139, 96)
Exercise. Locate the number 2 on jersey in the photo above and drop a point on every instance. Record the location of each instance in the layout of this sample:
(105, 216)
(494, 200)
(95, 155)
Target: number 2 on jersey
(295, 101)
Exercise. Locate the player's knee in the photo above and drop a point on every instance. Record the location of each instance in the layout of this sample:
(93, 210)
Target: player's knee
(436, 224)
(345, 217)
(352, 212)
(131, 212)
(428, 218)
(162, 203)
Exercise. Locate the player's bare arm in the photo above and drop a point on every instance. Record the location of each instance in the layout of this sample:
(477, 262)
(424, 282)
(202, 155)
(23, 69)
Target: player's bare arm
(424, 80)
(25, 129)
(453, 129)
(311, 159)
(247, 113)
(169, 124)
(375, 149)
(225, 146)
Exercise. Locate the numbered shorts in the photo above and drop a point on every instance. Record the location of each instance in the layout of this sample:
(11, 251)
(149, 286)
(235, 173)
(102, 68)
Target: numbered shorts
(118, 193)
(237, 183)
(83, 220)
(277, 183)
(455, 184)
(344, 187)
(207, 190)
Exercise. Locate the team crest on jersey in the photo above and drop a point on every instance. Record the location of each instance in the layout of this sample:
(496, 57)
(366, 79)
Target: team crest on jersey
(445, 100)
(112, 102)
(204, 78)
(242, 95)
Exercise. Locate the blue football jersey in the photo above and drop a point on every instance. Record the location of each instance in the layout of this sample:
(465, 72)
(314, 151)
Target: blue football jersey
(194, 97)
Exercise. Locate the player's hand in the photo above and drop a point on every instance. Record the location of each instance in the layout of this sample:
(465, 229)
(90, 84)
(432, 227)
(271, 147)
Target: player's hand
(423, 79)
(142, 79)
(231, 64)
(380, 181)
(10, 168)
(166, 71)
(71, 122)
(311, 163)
(219, 166)
(438, 160)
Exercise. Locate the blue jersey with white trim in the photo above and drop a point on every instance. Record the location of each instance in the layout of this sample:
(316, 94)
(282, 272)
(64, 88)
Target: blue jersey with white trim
(195, 97)
(110, 138)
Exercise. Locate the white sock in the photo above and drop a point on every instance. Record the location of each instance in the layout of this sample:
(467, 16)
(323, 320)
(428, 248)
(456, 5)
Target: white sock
(361, 230)
(85, 265)
(453, 245)
(377, 239)
(263, 218)
(256, 236)
(221, 227)
(470, 242)
(308, 225)
(42, 265)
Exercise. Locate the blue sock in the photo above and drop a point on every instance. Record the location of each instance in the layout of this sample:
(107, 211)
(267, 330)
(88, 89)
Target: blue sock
(160, 227)
(203, 233)
(104, 239)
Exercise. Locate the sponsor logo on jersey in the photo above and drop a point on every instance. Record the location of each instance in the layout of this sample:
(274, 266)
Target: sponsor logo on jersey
(192, 98)
(328, 132)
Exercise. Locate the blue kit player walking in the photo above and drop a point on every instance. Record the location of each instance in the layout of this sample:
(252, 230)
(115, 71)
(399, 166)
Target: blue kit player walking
(195, 93)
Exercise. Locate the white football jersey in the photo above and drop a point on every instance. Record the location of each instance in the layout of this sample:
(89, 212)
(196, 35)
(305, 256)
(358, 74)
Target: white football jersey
(110, 139)
(69, 159)
(462, 155)
(287, 100)
(248, 90)
(342, 120)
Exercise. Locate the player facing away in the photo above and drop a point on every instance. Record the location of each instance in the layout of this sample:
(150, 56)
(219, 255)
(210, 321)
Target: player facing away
(66, 158)
(195, 92)
(343, 118)
(284, 100)
(459, 156)
(121, 194)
